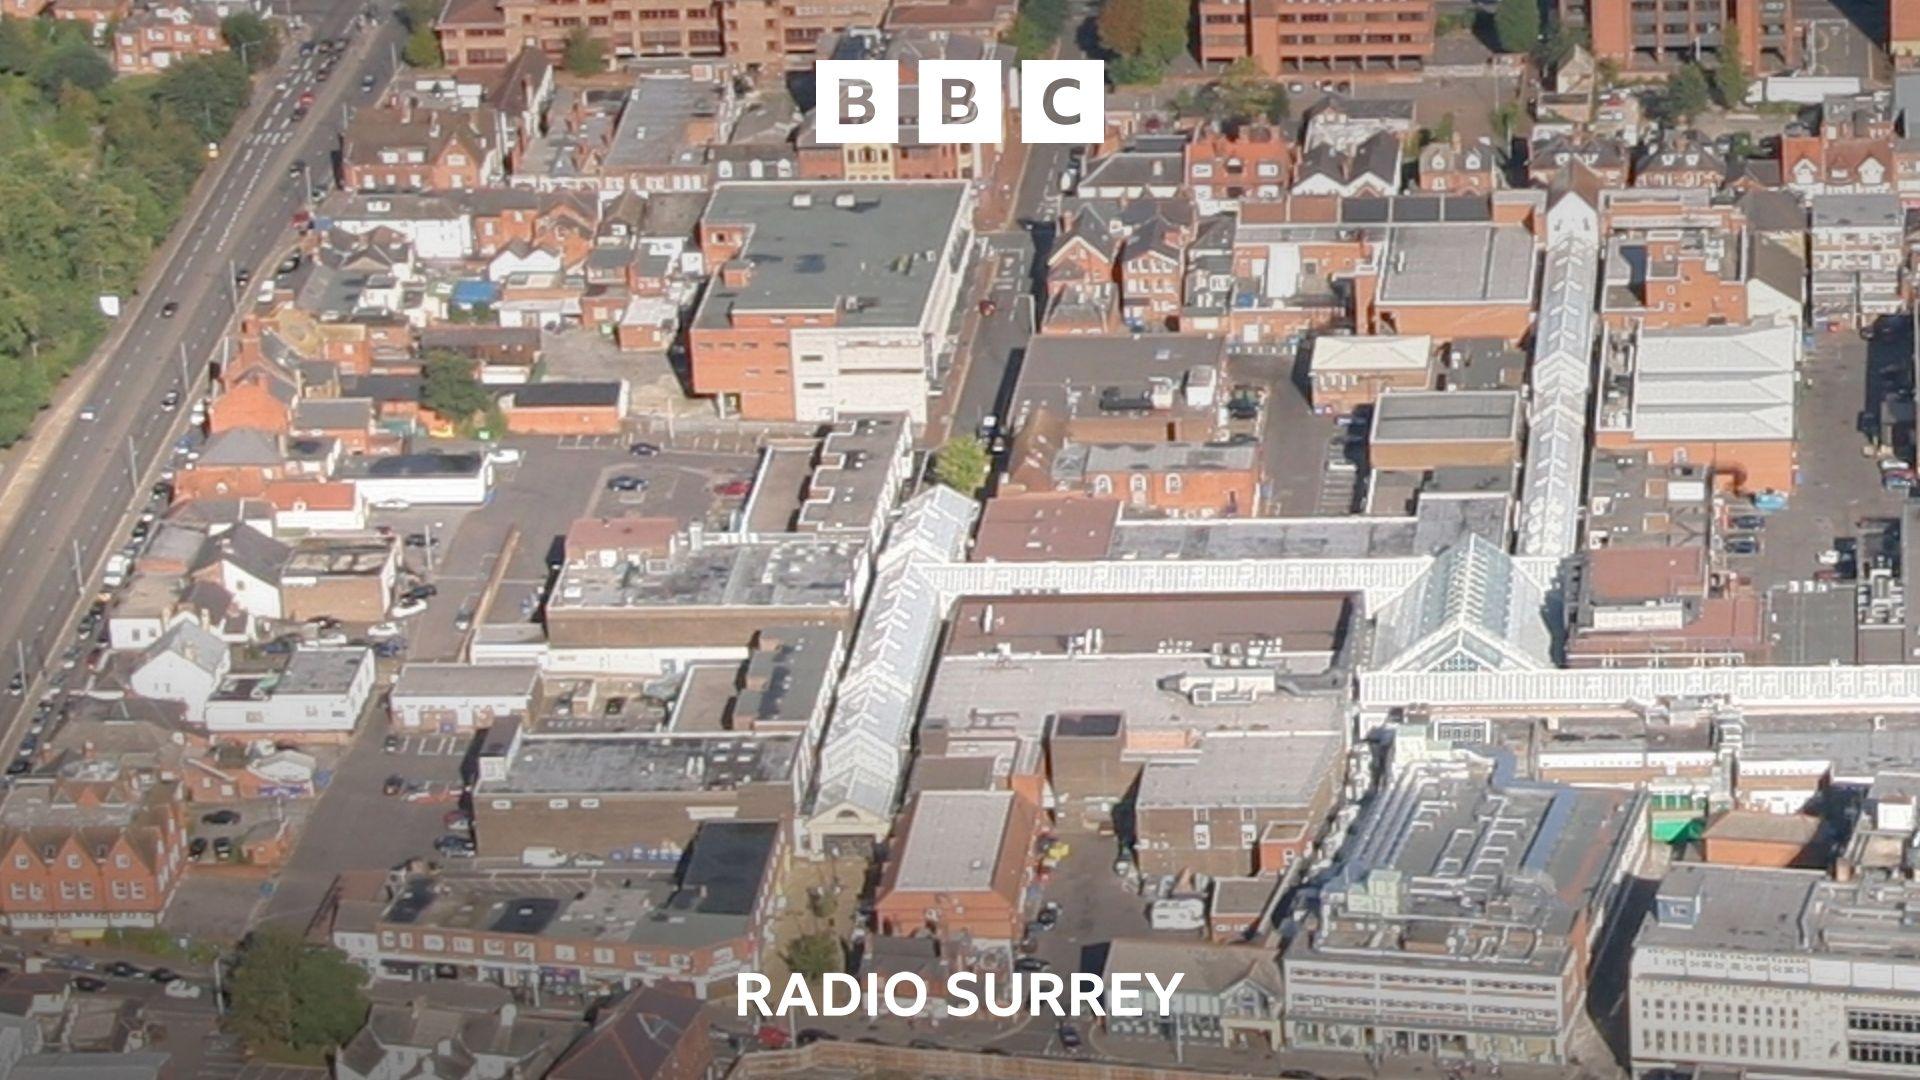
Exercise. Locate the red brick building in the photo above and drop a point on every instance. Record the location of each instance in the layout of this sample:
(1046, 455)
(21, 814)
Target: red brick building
(487, 33)
(1325, 38)
(94, 848)
(962, 864)
(153, 40)
(415, 150)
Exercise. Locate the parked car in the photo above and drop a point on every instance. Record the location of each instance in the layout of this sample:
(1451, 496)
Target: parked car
(626, 483)
(1743, 545)
(732, 489)
(223, 847)
(221, 817)
(162, 975)
(1069, 1037)
(383, 631)
(87, 984)
(420, 592)
(391, 744)
(405, 609)
(120, 969)
(183, 990)
(505, 455)
(196, 847)
(1747, 521)
(394, 785)
(643, 449)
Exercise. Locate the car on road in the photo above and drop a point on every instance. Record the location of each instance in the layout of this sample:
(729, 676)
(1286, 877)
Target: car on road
(1048, 917)
(120, 969)
(1747, 521)
(221, 817)
(89, 413)
(988, 307)
(183, 990)
(505, 455)
(463, 620)
(17, 685)
(420, 540)
(1031, 964)
(289, 264)
(454, 846)
(294, 170)
(383, 631)
(163, 975)
(421, 592)
(170, 400)
(391, 744)
(643, 449)
(366, 84)
(626, 483)
(87, 984)
(19, 767)
(169, 309)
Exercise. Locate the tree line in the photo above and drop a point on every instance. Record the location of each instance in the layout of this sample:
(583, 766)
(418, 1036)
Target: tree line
(93, 172)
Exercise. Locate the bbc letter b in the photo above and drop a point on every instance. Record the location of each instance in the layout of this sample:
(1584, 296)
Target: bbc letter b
(1063, 101)
(961, 101)
(858, 101)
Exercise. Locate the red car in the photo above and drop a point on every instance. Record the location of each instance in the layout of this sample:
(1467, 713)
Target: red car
(732, 488)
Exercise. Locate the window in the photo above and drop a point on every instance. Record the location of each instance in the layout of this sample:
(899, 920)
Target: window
(1249, 834)
(1202, 836)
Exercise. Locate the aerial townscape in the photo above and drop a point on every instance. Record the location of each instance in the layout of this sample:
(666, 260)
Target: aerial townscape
(509, 530)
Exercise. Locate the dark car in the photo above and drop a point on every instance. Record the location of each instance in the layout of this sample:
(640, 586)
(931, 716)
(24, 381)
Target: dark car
(19, 767)
(223, 847)
(391, 744)
(1069, 1036)
(1030, 964)
(162, 975)
(1743, 545)
(162, 490)
(626, 483)
(279, 646)
(454, 846)
(17, 685)
(643, 449)
(87, 984)
(221, 817)
(169, 309)
(366, 84)
(394, 785)
(1747, 521)
(421, 592)
(242, 277)
(814, 1035)
(120, 969)
(196, 847)
(289, 264)
(1048, 918)
(390, 648)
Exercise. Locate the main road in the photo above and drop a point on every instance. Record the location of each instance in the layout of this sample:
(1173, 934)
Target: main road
(68, 504)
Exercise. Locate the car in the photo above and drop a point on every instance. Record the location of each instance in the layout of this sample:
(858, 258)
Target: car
(626, 483)
(1031, 964)
(392, 504)
(280, 646)
(196, 847)
(421, 592)
(163, 975)
(405, 609)
(366, 84)
(455, 846)
(89, 413)
(1743, 545)
(140, 531)
(383, 631)
(808, 1036)
(182, 989)
(732, 489)
(29, 745)
(295, 169)
(170, 400)
(456, 819)
(162, 491)
(1747, 521)
(223, 847)
(1897, 480)
(221, 817)
(1069, 1037)
(16, 685)
(643, 449)
(988, 307)
(289, 264)
(391, 744)
(87, 984)
(1048, 918)
(463, 620)
(390, 648)
(394, 785)
(120, 969)
(505, 455)
(19, 767)
(1829, 557)
(169, 309)
(420, 540)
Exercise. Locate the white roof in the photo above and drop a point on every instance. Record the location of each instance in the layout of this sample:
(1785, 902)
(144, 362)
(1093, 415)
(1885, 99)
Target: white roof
(1736, 382)
(1382, 352)
(954, 842)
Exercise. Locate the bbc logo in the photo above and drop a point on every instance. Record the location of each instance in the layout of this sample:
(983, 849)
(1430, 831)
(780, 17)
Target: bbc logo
(961, 101)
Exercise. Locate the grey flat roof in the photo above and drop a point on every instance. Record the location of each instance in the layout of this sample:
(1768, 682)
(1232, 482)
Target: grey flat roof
(1445, 416)
(955, 841)
(780, 571)
(1266, 538)
(869, 260)
(466, 680)
(640, 765)
(1245, 769)
(1458, 264)
(320, 671)
(1858, 211)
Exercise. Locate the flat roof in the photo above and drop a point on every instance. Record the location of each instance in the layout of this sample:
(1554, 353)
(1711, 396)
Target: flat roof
(1045, 526)
(1150, 624)
(1446, 264)
(867, 251)
(1401, 416)
(1377, 352)
(1245, 769)
(960, 849)
(786, 571)
(321, 671)
(466, 680)
(632, 764)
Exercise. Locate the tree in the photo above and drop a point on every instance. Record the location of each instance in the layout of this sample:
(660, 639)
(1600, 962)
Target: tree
(423, 48)
(586, 54)
(254, 38)
(1730, 74)
(1244, 93)
(73, 64)
(962, 464)
(1441, 132)
(206, 91)
(449, 388)
(1150, 31)
(1516, 25)
(1037, 27)
(1504, 118)
(812, 956)
(288, 995)
(1686, 95)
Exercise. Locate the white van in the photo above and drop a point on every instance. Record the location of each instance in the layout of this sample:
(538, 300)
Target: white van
(543, 858)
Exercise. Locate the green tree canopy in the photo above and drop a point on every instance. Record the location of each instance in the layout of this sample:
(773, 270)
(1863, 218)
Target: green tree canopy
(962, 464)
(585, 54)
(450, 388)
(815, 955)
(1686, 95)
(254, 38)
(1730, 79)
(1516, 25)
(288, 995)
(1144, 35)
(1037, 27)
(206, 91)
(1245, 94)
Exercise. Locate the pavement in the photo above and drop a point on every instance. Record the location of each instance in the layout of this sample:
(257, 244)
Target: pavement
(67, 505)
